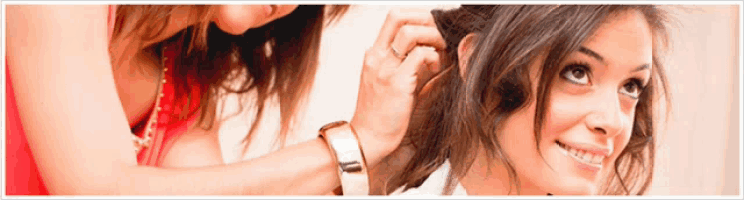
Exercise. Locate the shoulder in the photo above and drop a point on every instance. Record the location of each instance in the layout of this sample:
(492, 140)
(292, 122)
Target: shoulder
(73, 18)
(196, 148)
(67, 30)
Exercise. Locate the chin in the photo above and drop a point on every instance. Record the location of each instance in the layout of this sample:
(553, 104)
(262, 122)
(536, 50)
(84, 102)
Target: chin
(556, 184)
(578, 189)
(564, 175)
(564, 185)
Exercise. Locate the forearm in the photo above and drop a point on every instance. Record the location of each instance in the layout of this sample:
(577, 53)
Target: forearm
(306, 168)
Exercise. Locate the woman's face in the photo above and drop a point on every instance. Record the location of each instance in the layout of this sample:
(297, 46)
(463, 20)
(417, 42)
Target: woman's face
(237, 19)
(590, 111)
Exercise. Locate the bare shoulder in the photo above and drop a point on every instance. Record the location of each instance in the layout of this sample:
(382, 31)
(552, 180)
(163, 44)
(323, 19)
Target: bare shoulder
(37, 30)
(197, 148)
(67, 20)
(42, 12)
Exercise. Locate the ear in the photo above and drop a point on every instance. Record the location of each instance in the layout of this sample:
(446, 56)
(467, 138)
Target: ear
(464, 51)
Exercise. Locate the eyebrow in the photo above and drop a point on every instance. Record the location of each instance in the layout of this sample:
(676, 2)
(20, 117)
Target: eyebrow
(595, 55)
(642, 67)
(591, 53)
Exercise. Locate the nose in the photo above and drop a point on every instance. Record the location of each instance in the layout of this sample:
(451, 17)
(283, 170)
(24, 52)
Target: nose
(605, 117)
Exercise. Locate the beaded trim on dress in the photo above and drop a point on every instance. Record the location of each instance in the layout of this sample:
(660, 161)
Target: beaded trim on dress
(145, 141)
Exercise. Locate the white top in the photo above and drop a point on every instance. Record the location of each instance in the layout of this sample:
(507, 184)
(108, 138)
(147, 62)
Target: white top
(433, 185)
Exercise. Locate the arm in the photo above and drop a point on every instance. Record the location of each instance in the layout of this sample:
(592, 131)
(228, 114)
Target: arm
(305, 168)
(65, 88)
(82, 144)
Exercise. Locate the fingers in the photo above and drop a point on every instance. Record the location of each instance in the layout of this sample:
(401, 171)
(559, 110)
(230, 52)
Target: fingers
(390, 77)
(405, 53)
(396, 19)
(410, 36)
(420, 65)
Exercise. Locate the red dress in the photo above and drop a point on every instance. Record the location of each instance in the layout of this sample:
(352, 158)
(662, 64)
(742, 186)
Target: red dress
(22, 174)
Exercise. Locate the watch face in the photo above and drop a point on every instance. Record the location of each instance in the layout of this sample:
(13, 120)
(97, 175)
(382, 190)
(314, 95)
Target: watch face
(332, 124)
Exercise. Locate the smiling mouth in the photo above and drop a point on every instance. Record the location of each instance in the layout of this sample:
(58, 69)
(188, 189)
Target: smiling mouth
(582, 156)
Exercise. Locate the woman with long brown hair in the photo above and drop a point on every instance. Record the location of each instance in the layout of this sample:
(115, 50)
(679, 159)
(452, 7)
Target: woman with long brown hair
(77, 74)
(535, 100)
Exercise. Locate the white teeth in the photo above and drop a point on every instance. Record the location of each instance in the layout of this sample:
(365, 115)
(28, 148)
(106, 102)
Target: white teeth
(597, 159)
(582, 155)
(587, 157)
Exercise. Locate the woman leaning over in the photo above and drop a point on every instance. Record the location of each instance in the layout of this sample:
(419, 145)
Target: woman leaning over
(85, 82)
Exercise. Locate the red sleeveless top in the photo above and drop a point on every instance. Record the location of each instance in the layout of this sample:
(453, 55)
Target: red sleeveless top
(22, 174)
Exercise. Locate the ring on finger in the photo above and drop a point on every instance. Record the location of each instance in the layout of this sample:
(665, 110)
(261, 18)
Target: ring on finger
(397, 53)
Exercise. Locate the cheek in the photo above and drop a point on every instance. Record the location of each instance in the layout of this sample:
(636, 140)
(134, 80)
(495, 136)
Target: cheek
(621, 140)
(619, 143)
(564, 113)
(516, 137)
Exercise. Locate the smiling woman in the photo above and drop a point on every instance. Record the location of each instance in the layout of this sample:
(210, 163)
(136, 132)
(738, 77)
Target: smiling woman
(538, 99)
(590, 109)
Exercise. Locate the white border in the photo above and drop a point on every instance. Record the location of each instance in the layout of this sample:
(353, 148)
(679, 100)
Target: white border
(741, 96)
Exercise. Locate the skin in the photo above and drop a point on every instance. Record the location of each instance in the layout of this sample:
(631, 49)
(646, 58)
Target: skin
(76, 114)
(590, 108)
(201, 147)
(198, 147)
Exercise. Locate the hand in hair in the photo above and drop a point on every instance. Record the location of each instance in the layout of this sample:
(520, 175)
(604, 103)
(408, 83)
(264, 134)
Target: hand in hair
(403, 57)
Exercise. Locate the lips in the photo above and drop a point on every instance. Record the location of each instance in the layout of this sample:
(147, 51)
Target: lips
(585, 155)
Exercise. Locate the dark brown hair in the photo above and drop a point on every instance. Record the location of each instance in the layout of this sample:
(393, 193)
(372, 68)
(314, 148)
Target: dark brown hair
(463, 114)
(279, 58)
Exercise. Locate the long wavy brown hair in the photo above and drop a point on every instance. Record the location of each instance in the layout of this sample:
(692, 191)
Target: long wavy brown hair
(463, 113)
(279, 58)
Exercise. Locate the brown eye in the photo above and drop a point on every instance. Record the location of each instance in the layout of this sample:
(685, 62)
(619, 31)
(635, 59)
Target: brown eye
(576, 73)
(632, 89)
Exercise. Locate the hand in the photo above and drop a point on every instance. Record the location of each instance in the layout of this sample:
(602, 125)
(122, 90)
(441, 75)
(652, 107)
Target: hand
(402, 59)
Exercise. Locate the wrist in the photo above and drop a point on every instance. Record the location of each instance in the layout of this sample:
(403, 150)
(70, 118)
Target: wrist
(346, 148)
(373, 146)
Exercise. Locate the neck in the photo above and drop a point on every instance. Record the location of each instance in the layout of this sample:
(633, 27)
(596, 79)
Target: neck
(179, 19)
(128, 46)
(491, 177)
